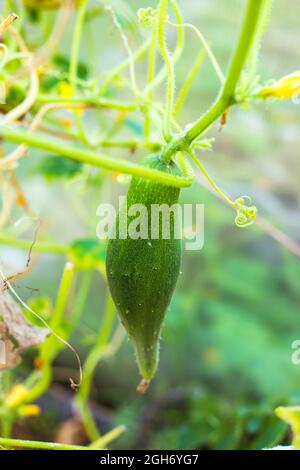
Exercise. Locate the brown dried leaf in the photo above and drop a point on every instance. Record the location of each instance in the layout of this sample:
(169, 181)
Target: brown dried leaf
(9, 355)
(16, 333)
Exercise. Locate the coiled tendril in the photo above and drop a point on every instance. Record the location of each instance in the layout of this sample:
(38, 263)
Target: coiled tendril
(246, 214)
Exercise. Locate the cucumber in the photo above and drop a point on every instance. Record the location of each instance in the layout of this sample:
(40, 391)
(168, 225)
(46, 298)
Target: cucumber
(142, 273)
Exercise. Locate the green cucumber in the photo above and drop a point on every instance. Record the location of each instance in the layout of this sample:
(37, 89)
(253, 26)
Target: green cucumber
(142, 273)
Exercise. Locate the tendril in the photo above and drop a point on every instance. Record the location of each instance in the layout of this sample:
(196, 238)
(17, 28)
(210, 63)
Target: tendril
(246, 214)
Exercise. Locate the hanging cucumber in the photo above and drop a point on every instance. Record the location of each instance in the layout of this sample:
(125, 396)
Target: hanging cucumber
(142, 273)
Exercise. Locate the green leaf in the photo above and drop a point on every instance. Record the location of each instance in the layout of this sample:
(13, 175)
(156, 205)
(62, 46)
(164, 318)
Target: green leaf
(53, 168)
(42, 305)
(88, 254)
(64, 64)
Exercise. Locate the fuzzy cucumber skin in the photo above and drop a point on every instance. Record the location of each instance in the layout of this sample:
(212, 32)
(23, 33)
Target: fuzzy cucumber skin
(142, 273)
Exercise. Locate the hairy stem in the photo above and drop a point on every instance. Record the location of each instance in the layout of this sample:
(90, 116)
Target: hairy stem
(91, 157)
(162, 17)
(182, 95)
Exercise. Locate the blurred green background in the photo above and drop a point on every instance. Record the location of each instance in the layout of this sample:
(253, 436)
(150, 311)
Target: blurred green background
(226, 347)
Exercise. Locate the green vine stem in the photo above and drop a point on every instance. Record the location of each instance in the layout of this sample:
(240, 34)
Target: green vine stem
(160, 77)
(182, 95)
(139, 54)
(206, 46)
(38, 247)
(261, 27)
(88, 101)
(51, 346)
(103, 441)
(81, 298)
(252, 18)
(91, 157)
(76, 42)
(89, 367)
(82, 9)
(19, 443)
(99, 444)
(151, 75)
(131, 144)
(62, 298)
(132, 71)
(162, 18)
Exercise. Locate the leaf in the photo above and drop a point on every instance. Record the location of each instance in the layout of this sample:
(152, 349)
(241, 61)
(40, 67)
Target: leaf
(88, 254)
(53, 168)
(49, 82)
(63, 63)
(16, 333)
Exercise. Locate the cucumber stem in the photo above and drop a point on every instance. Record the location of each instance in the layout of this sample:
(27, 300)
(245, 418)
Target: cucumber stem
(143, 386)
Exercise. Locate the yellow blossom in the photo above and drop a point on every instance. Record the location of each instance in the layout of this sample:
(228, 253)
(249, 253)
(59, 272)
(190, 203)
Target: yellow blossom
(65, 89)
(285, 88)
(16, 395)
(30, 410)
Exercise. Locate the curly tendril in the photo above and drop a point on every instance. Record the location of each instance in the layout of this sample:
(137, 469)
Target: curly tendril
(246, 214)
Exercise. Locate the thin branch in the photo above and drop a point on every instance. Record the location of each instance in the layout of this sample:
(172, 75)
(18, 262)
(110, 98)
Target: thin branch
(7, 22)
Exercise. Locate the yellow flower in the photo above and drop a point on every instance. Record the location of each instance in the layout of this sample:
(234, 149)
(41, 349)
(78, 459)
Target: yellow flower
(65, 89)
(30, 410)
(16, 395)
(285, 88)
